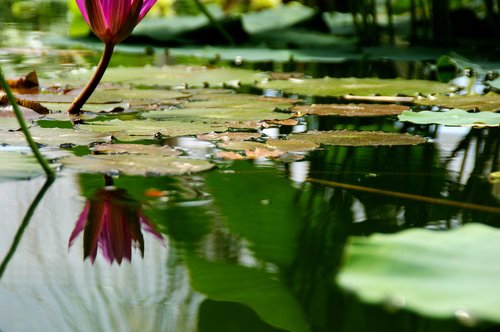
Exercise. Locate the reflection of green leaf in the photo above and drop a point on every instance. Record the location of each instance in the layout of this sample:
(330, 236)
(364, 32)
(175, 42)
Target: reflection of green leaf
(336, 87)
(15, 165)
(257, 289)
(258, 206)
(454, 117)
(433, 273)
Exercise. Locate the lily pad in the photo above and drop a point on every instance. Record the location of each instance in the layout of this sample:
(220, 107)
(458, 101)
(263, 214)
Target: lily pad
(150, 128)
(358, 138)
(351, 109)
(454, 117)
(15, 165)
(165, 77)
(54, 137)
(135, 149)
(437, 274)
(226, 108)
(137, 164)
(265, 20)
(338, 87)
(488, 102)
(228, 136)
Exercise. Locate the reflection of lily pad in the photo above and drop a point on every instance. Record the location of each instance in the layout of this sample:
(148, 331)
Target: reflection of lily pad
(337, 87)
(351, 109)
(137, 164)
(265, 20)
(15, 165)
(488, 102)
(150, 127)
(433, 273)
(454, 117)
(358, 138)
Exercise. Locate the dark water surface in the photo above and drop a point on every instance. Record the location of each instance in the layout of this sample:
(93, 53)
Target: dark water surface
(269, 230)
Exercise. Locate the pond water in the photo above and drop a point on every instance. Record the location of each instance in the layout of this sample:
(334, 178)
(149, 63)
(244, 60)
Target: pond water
(252, 245)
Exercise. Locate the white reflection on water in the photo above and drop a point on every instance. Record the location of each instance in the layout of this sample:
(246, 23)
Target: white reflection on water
(47, 287)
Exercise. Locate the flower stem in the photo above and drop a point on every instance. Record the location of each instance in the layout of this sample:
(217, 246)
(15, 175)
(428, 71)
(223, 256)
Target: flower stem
(20, 118)
(79, 101)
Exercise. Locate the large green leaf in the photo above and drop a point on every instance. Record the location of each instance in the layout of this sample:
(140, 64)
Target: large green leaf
(266, 20)
(454, 117)
(337, 87)
(437, 274)
(257, 289)
(488, 102)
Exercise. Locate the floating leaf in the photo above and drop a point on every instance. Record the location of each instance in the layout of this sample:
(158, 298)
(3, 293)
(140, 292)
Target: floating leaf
(150, 128)
(351, 109)
(135, 149)
(488, 102)
(454, 117)
(265, 20)
(228, 136)
(437, 274)
(338, 87)
(357, 138)
(137, 164)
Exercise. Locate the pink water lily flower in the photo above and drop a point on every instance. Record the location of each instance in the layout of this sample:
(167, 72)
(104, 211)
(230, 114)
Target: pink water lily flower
(112, 21)
(112, 221)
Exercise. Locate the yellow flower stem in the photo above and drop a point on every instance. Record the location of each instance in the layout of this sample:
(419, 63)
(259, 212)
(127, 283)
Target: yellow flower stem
(79, 101)
(24, 128)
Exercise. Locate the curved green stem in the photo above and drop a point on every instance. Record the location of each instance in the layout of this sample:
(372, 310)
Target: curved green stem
(78, 103)
(34, 147)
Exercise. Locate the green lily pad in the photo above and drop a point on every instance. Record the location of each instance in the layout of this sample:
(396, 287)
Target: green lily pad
(228, 136)
(437, 274)
(338, 87)
(137, 164)
(54, 137)
(280, 145)
(358, 138)
(454, 117)
(265, 20)
(135, 149)
(16, 165)
(124, 129)
(165, 77)
(351, 109)
(489, 102)
(225, 108)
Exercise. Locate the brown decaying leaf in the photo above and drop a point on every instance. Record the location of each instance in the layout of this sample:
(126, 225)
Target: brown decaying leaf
(230, 155)
(246, 124)
(286, 122)
(367, 110)
(285, 76)
(27, 82)
(35, 106)
(263, 153)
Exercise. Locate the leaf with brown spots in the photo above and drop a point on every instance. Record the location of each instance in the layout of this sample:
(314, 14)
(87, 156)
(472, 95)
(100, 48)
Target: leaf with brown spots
(367, 110)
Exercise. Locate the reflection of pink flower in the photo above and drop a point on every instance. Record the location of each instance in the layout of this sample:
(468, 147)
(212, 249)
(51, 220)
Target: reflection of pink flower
(112, 220)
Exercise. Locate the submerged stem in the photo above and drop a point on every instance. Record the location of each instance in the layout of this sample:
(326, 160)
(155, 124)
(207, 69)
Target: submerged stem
(24, 128)
(79, 101)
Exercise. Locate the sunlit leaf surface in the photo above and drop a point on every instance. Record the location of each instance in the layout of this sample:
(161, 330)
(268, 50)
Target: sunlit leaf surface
(454, 117)
(358, 138)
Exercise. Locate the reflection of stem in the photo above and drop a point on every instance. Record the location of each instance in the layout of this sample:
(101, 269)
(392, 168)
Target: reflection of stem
(24, 224)
(439, 201)
(12, 100)
(78, 103)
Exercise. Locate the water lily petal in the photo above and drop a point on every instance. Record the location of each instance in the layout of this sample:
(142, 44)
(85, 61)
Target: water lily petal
(97, 21)
(98, 218)
(145, 8)
(128, 21)
(83, 10)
